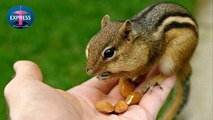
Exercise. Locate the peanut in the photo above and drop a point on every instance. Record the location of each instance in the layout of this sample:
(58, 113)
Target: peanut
(104, 107)
(121, 107)
(133, 98)
(125, 87)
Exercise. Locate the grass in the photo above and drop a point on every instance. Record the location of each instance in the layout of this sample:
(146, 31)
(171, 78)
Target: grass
(58, 36)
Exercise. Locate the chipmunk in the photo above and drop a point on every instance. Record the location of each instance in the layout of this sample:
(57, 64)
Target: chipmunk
(163, 36)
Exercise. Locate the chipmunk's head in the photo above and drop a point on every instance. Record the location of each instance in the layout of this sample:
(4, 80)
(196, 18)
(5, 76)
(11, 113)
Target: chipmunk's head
(115, 49)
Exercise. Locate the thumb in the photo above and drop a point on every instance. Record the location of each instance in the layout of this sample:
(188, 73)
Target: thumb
(27, 70)
(23, 87)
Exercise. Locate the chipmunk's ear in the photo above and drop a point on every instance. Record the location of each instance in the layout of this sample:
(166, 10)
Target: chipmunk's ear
(105, 20)
(126, 31)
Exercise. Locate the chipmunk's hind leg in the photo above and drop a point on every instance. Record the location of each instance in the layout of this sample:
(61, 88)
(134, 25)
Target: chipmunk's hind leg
(180, 45)
(180, 95)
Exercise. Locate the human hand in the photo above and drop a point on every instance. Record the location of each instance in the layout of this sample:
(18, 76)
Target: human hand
(30, 99)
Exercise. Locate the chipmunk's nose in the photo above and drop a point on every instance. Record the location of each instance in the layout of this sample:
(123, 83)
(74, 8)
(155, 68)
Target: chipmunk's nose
(90, 70)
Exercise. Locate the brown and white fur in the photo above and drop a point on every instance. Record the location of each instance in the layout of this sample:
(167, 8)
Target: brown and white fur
(163, 35)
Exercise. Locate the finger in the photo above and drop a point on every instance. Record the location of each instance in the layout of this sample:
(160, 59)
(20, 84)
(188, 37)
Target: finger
(153, 100)
(27, 70)
(141, 85)
(104, 86)
(154, 72)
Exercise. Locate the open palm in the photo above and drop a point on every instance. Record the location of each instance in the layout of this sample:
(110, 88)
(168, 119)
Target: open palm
(29, 98)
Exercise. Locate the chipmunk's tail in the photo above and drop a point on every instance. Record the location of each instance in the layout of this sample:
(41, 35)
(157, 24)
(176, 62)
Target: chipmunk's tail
(178, 96)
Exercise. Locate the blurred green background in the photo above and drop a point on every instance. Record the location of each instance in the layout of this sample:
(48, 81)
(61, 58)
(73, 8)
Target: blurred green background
(57, 39)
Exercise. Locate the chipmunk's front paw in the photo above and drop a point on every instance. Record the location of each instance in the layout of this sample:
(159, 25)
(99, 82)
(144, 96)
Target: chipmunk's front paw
(154, 82)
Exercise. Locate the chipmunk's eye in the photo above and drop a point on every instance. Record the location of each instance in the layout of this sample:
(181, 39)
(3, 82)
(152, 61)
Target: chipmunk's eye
(109, 53)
